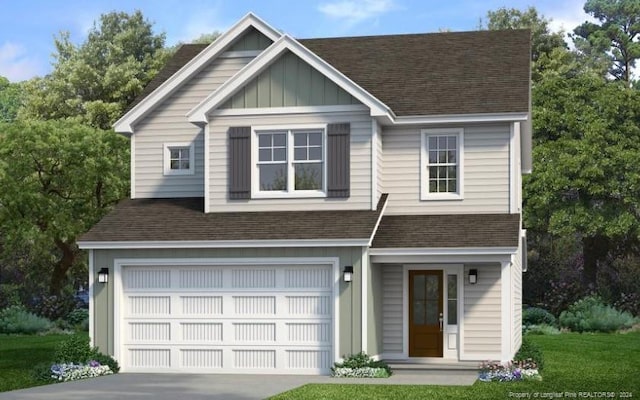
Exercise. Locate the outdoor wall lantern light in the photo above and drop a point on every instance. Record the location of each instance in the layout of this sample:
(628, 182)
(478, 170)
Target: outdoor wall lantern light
(103, 275)
(348, 273)
(473, 276)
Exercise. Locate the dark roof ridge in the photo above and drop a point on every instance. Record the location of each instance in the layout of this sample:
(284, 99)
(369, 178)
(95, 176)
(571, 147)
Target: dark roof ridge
(416, 34)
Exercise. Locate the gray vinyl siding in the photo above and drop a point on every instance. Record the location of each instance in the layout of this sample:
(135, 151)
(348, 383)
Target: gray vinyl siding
(289, 82)
(167, 124)
(350, 296)
(251, 40)
(482, 312)
(486, 171)
(360, 166)
(392, 312)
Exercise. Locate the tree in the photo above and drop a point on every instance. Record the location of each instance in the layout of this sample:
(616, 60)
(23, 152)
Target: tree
(206, 38)
(94, 82)
(543, 41)
(58, 178)
(10, 99)
(586, 179)
(615, 40)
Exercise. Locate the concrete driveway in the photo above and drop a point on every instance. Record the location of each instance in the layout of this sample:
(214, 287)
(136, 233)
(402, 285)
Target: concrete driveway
(212, 387)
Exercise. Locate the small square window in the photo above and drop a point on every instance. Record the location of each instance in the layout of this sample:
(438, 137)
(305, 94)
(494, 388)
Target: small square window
(178, 159)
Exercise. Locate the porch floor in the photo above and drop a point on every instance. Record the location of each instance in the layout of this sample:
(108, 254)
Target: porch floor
(413, 366)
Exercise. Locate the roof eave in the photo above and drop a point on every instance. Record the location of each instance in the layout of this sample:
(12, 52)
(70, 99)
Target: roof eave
(199, 114)
(216, 244)
(126, 122)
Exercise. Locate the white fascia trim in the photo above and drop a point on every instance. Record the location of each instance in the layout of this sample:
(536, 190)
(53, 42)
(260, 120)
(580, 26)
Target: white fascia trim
(287, 110)
(125, 124)
(132, 164)
(375, 228)
(443, 251)
(91, 301)
(461, 118)
(514, 130)
(207, 195)
(217, 244)
(199, 113)
(374, 160)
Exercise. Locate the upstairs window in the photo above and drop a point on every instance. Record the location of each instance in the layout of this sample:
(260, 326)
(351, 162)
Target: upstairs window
(441, 164)
(178, 159)
(290, 162)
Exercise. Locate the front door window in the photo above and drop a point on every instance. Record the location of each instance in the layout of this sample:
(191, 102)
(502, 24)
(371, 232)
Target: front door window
(425, 313)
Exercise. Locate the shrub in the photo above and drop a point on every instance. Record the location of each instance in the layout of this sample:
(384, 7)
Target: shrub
(542, 329)
(16, 319)
(537, 316)
(592, 315)
(77, 318)
(76, 349)
(74, 372)
(9, 295)
(360, 365)
(529, 354)
(53, 307)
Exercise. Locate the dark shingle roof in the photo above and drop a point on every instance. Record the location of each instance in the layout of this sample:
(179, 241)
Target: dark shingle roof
(184, 220)
(442, 231)
(421, 74)
(437, 73)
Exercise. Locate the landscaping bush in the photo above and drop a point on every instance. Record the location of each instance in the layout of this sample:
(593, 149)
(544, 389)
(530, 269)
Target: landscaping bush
(53, 307)
(592, 315)
(360, 365)
(9, 295)
(76, 349)
(494, 371)
(16, 319)
(542, 329)
(537, 316)
(529, 355)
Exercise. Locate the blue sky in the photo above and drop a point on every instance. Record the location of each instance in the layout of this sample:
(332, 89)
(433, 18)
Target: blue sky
(27, 27)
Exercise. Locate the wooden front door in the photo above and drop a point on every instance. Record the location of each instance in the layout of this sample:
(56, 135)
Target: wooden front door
(425, 313)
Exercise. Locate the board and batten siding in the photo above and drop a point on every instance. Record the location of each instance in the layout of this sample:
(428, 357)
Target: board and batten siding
(482, 312)
(486, 171)
(392, 312)
(289, 82)
(360, 185)
(167, 123)
(350, 294)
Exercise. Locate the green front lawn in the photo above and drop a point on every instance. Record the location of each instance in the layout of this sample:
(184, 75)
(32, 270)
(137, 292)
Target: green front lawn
(19, 354)
(580, 364)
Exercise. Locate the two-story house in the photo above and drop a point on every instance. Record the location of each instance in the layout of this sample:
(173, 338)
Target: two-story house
(293, 201)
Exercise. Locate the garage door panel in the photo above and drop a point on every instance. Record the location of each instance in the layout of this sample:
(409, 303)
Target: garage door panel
(201, 305)
(231, 319)
(149, 305)
(200, 278)
(253, 278)
(147, 278)
(201, 332)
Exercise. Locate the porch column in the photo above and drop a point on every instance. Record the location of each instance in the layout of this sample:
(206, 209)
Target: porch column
(506, 307)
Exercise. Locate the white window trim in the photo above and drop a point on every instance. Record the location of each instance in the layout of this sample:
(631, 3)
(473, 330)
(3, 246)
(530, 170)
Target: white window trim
(424, 162)
(167, 159)
(256, 193)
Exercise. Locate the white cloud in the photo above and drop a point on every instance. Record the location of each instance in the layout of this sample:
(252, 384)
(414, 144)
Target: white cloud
(15, 64)
(567, 16)
(356, 11)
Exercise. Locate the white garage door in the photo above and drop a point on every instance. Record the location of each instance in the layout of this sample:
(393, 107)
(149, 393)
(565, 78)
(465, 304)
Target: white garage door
(231, 319)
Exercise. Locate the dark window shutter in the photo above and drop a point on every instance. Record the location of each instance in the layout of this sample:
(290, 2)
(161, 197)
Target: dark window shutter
(338, 149)
(239, 163)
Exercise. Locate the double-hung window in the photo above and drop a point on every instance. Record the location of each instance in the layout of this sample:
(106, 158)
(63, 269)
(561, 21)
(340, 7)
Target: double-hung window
(441, 164)
(290, 162)
(178, 159)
